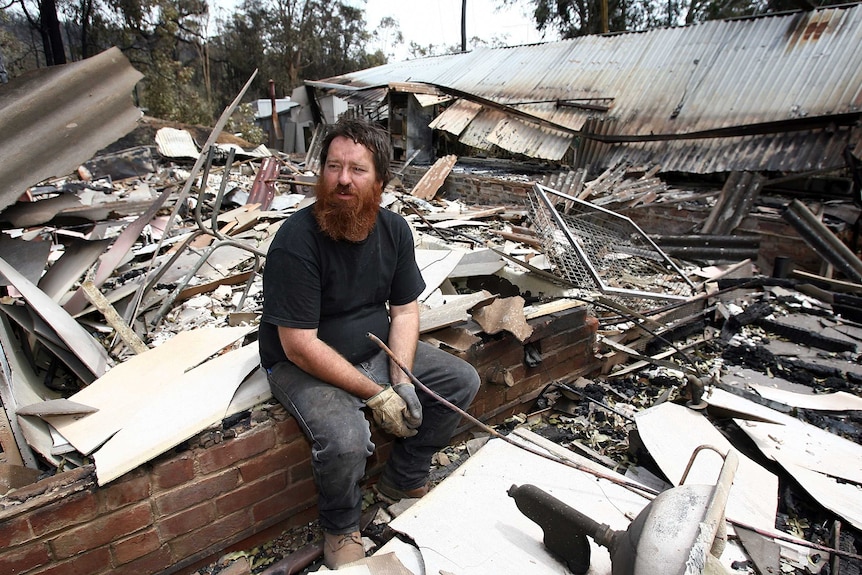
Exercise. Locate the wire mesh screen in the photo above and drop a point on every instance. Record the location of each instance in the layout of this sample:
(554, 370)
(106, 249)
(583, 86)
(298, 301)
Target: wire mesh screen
(597, 249)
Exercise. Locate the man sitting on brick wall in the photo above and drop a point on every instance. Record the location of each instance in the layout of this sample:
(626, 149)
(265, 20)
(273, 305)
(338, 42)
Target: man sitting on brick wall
(336, 271)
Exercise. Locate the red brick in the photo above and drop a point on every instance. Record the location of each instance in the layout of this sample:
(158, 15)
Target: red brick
(22, 559)
(103, 530)
(249, 494)
(174, 471)
(296, 496)
(155, 562)
(242, 447)
(15, 530)
(73, 509)
(132, 488)
(187, 520)
(135, 546)
(215, 532)
(275, 460)
(287, 430)
(91, 563)
(301, 471)
(194, 492)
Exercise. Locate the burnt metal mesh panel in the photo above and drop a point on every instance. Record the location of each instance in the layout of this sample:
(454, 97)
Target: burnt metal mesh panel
(596, 249)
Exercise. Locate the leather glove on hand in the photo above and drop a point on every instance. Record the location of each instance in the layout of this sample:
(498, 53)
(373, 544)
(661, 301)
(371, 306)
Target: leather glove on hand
(413, 415)
(389, 410)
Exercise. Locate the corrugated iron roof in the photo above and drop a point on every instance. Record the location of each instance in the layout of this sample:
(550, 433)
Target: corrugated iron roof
(56, 118)
(778, 92)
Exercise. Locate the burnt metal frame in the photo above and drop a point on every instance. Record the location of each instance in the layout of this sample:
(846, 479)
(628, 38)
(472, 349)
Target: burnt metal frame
(542, 193)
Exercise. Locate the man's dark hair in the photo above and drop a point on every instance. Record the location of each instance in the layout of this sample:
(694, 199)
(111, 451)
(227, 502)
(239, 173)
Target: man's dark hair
(367, 134)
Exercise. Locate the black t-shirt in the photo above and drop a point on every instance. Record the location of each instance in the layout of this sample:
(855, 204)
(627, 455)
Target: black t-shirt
(339, 287)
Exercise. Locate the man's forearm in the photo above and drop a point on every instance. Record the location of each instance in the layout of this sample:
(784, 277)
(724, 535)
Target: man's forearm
(403, 339)
(317, 358)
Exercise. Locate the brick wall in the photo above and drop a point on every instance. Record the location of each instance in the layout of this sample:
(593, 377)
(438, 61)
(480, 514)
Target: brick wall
(191, 505)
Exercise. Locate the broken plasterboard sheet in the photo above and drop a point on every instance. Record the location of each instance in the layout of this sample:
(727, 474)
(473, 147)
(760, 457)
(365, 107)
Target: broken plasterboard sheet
(168, 416)
(729, 404)
(79, 342)
(118, 252)
(21, 387)
(478, 262)
(38, 328)
(456, 338)
(807, 446)
(454, 311)
(672, 432)
(435, 266)
(838, 401)
(59, 406)
(119, 392)
(71, 266)
(28, 257)
(469, 524)
(844, 499)
(504, 314)
(253, 391)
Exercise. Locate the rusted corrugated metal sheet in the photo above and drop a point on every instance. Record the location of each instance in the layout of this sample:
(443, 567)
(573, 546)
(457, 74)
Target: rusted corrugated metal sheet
(775, 92)
(54, 119)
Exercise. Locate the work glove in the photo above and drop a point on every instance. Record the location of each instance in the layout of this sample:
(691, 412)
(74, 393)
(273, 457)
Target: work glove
(389, 411)
(413, 416)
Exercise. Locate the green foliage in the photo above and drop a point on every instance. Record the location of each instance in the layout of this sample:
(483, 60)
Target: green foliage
(191, 75)
(243, 125)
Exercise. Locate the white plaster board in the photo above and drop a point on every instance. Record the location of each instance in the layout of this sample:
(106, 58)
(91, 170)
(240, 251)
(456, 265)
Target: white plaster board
(78, 257)
(671, 433)
(844, 499)
(435, 266)
(807, 446)
(455, 310)
(176, 412)
(37, 327)
(81, 343)
(838, 401)
(24, 388)
(469, 524)
(253, 391)
(739, 406)
(127, 386)
(478, 262)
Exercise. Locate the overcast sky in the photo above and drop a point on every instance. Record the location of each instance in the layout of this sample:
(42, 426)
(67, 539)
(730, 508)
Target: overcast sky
(439, 22)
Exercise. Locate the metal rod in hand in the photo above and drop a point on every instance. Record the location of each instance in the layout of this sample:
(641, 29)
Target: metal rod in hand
(494, 433)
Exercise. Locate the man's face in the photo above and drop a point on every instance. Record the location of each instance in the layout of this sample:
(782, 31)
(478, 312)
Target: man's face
(348, 191)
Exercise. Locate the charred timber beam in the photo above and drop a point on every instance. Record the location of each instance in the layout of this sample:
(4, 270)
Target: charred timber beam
(823, 241)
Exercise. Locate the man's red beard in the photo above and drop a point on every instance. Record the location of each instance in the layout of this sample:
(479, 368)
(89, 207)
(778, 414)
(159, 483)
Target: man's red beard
(350, 220)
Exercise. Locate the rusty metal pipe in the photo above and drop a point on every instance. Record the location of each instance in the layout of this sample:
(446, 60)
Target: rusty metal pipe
(632, 486)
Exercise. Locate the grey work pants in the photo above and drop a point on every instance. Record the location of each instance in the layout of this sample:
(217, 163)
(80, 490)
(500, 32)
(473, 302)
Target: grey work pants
(335, 424)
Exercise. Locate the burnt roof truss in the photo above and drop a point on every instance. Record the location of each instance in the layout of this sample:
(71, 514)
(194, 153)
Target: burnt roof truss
(597, 249)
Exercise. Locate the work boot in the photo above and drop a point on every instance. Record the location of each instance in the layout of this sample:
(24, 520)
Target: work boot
(392, 493)
(342, 548)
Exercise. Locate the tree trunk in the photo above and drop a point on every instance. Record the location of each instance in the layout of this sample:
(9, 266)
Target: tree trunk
(52, 39)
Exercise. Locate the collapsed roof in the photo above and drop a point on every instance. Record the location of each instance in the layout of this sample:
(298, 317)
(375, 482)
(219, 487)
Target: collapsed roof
(770, 93)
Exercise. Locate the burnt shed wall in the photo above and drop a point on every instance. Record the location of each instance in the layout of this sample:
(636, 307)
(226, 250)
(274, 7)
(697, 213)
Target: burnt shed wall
(236, 488)
(777, 237)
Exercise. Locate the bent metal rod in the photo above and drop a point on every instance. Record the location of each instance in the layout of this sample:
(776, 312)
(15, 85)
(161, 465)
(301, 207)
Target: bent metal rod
(643, 490)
